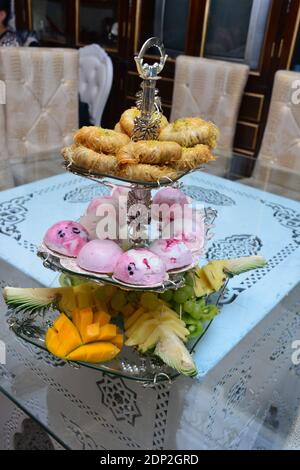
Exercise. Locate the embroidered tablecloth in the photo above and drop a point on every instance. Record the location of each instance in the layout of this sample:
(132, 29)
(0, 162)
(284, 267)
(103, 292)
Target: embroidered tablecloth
(249, 222)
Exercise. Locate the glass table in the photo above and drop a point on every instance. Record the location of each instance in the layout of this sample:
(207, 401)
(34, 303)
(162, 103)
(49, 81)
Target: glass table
(248, 398)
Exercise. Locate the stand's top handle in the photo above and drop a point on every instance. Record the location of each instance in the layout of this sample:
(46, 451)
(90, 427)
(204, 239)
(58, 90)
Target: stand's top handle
(147, 71)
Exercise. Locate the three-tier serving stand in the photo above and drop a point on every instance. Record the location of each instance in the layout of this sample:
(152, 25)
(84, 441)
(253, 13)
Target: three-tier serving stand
(130, 363)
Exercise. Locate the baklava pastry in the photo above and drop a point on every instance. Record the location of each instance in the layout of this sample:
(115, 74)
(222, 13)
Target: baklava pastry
(189, 132)
(128, 117)
(143, 172)
(100, 140)
(150, 152)
(89, 160)
(194, 157)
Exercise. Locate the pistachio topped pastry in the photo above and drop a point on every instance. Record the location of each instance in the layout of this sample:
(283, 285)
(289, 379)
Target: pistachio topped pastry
(128, 117)
(100, 140)
(189, 132)
(193, 157)
(151, 152)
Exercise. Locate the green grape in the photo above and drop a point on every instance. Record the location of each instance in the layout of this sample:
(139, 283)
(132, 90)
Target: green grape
(201, 302)
(189, 291)
(118, 301)
(189, 280)
(110, 291)
(188, 306)
(197, 311)
(167, 296)
(188, 320)
(195, 330)
(209, 312)
(149, 301)
(100, 293)
(132, 297)
(181, 295)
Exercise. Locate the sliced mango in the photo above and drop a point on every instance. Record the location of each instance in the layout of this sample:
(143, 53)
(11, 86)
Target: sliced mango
(53, 343)
(107, 332)
(81, 319)
(94, 352)
(118, 340)
(63, 337)
(92, 333)
(68, 335)
(102, 318)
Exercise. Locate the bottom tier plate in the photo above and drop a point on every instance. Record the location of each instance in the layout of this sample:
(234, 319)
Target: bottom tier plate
(129, 364)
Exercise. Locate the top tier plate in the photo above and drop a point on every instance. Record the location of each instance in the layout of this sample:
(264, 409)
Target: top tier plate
(101, 177)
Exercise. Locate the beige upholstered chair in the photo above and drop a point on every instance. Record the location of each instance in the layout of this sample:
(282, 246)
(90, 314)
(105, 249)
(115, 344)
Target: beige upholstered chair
(278, 162)
(211, 89)
(281, 142)
(41, 109)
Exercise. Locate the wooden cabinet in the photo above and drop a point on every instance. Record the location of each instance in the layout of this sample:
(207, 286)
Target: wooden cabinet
(265, 34)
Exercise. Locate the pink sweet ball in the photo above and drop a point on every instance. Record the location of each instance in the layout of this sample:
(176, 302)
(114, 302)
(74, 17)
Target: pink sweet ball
(169, 197)
(190, 230)
(140, 267)
(99, 256)
(66, 237)
(101, 200)
(118, 191)
(174, 253)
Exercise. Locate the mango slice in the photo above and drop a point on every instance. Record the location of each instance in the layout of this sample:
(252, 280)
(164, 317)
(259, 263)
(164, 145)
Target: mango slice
(107, 332)
(94, 352)
(102, 318)
(63, 337)
(92, 333)
(118, 341)
(81, 319)
(53, 343)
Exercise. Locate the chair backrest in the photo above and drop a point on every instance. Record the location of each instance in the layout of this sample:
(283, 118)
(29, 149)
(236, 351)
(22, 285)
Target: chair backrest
(96, 76)
(281, 143)
(41, 111)
(6, 179)
(210, 89)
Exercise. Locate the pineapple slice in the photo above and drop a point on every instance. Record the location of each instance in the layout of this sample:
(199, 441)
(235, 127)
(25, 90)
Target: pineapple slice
(141, 320)
(133, 318)
(141, 334)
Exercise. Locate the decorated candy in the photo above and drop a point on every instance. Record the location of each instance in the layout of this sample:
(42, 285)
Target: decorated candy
(108, 202)
(99, 256)
(169, 198)
(174, 253)
(66, 238)
(101, 219)
(190, 230)
(140, 267)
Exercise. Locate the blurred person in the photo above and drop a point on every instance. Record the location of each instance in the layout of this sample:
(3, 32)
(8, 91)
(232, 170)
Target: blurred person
(7, 36)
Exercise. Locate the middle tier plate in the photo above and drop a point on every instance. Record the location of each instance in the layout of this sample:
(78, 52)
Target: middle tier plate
(68, 266)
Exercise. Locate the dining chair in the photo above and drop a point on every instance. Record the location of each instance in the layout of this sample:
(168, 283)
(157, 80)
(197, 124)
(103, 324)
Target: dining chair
(41, 111)
(278, 161)
(281, 142)
(211, 89)
(95, 80)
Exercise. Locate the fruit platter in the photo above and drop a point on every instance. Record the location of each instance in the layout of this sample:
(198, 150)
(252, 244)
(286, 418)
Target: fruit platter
(134, 296)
